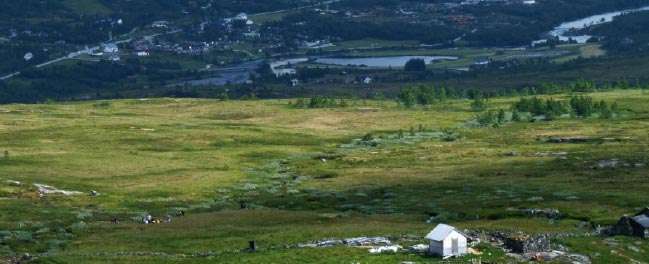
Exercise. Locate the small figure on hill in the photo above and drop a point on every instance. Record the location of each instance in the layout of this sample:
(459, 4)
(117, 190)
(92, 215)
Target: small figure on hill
(6, 155)
(114, 220)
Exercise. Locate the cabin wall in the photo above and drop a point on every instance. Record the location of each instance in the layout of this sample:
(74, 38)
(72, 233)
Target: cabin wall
(435, 248)
(448, 244)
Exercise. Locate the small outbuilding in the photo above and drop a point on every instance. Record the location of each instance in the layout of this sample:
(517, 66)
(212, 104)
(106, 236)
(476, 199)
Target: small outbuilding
(446, 241)
(637, 225)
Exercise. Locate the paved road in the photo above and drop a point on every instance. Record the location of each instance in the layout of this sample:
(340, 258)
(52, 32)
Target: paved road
(9, 76)
(87, 50)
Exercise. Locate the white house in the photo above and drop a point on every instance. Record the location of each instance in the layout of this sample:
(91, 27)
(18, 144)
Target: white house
(111, 48)
(446, 241)
(242, 16)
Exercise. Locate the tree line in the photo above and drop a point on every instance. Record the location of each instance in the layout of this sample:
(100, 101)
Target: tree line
(578, 106)
(536, 109)
(424, 95)
(320, 102)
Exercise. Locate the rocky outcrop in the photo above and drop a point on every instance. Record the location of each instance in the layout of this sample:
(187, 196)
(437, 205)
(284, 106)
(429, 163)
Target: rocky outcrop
(523, 243)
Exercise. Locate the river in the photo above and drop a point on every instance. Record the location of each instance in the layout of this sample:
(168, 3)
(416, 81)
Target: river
(562, 30)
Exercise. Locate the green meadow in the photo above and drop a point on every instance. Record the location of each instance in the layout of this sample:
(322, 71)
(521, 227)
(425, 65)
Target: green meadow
(279, 175)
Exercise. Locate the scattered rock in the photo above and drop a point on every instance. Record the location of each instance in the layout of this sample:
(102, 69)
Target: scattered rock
(634, 249)
(548, 213)
(603, 164)
(519, 258)
(352, 242)
(363, 241)
(524, 243)
(14, 183)
(322, 243)
(382, 249)
(547, 256)
(580, 258)
(419, 248)
(511, 154)
(94, 193)
(46, 189)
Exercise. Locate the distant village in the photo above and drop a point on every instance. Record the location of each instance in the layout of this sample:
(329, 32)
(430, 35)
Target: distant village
(239, 30)
(242, 28)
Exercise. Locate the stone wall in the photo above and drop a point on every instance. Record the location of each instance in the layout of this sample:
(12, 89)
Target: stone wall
(523, 243)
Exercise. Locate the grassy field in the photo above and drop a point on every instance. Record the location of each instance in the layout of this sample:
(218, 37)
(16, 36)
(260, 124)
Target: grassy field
(371, 44)
(211, 158)
(87, 7)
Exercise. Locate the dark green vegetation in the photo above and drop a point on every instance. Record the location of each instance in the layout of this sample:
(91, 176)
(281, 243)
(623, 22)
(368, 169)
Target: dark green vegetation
(626, 34)
(264, 170)
(483, 24)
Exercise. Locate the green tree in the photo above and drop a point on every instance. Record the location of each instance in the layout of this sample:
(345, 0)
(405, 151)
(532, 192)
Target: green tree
(501, 116)
(317, 102)
(415, 65)
(408, 96)
(516, 116)
(479, 104)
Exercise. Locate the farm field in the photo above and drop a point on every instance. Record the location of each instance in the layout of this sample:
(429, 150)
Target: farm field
(280, 175)
(467, 56)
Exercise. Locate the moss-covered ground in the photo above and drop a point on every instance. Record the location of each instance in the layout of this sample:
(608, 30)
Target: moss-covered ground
(302, 175)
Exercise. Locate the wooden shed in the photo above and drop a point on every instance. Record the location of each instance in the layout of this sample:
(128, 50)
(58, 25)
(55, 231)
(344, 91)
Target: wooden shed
(446, 241)
(637, 225)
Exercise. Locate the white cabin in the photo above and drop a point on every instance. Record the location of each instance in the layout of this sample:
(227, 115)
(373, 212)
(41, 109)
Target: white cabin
(446, 241)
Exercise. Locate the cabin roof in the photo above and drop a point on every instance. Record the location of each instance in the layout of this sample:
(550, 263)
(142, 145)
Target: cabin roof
(440, 232)
(643, 220)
